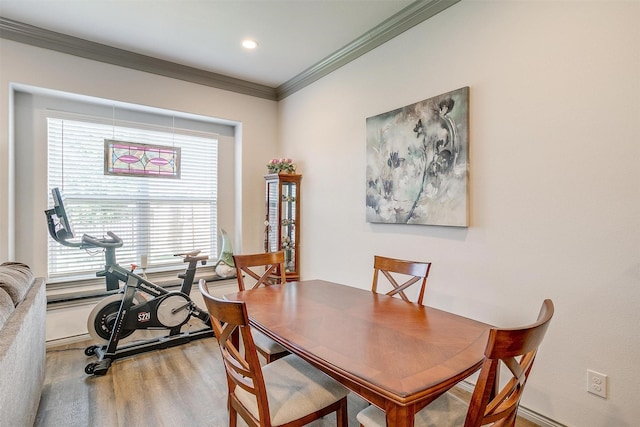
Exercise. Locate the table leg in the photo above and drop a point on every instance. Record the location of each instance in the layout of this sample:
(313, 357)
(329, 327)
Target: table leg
(400, 416)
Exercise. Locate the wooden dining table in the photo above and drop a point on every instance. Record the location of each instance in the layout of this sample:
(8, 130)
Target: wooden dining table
(399, 356)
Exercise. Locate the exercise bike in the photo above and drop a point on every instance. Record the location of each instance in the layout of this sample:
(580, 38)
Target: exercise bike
(138, 305)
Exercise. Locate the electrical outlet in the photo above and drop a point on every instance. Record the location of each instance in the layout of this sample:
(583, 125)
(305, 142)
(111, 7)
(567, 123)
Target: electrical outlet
(597, 383)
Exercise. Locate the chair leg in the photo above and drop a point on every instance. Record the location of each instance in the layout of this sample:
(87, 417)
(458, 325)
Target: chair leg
(233, 416)
(233, 419)
(342, 414)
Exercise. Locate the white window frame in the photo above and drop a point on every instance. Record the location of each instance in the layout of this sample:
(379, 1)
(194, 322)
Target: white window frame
(158, 267)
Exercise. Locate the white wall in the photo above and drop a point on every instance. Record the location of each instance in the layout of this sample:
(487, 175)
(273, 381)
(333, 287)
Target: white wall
(27, 65)
(555, 183)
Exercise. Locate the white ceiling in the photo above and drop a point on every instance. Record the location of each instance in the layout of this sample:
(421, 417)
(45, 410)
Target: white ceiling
(293, 35)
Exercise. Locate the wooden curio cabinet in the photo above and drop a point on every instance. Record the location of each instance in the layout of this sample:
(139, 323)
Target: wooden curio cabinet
(282, 220)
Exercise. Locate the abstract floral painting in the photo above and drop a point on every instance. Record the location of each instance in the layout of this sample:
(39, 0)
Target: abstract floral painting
(418, 162)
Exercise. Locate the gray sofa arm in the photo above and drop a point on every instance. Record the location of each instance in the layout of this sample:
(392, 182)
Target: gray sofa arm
(22, 358)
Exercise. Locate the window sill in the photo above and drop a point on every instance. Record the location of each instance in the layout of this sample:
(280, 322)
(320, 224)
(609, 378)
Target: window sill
(88, 293)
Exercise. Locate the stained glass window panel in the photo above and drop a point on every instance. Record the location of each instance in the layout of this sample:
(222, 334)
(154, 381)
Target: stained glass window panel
(134, 159)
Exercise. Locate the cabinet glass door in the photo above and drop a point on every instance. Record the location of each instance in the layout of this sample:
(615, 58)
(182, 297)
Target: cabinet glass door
(271, 243)
(282, 220)
(288, 224)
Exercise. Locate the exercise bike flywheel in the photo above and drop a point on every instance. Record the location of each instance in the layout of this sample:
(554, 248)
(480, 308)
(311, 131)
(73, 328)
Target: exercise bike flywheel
(103, 317)
(174, 309)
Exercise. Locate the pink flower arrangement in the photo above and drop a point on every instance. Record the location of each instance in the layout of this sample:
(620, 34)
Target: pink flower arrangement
(281, 165)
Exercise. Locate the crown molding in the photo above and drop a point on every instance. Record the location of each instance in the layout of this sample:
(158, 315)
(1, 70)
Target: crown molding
(35, 36)
(408, 17)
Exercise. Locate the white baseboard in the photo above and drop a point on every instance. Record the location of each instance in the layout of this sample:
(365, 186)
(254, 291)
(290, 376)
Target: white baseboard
(68, 340)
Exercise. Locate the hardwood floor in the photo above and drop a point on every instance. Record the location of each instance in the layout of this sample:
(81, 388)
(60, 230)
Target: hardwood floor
(175, 387)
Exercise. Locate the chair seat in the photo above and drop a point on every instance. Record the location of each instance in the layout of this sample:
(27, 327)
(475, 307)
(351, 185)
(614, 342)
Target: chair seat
(294, 389)
(445, 411)
(266, 344)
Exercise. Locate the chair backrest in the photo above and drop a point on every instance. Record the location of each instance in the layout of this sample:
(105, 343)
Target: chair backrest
(417, 272)
(516, 348)
(266, 268)
(244, 371)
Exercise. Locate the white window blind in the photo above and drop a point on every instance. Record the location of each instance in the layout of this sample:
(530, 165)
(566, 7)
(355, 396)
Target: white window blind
(156, 217)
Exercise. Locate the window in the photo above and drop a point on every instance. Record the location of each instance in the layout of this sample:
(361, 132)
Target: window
(155, 216)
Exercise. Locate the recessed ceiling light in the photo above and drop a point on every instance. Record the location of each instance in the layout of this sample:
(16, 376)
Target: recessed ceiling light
(249, 44)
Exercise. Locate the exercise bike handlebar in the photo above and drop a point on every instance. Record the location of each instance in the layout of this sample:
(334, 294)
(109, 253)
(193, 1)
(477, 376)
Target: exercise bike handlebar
(113, 242)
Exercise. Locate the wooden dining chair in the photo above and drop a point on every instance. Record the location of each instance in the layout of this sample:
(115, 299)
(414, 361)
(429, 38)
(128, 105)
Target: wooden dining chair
(409, 271)
(266, 269)
(516, 348)
(287, 392)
